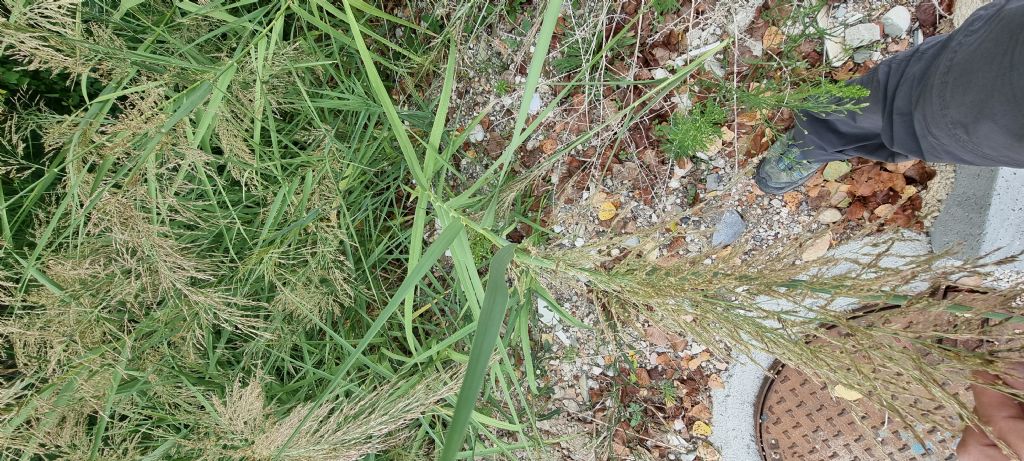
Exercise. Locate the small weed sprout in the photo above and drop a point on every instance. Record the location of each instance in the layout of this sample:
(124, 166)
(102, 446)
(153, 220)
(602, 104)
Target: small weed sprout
(502, 88)
(685, 135)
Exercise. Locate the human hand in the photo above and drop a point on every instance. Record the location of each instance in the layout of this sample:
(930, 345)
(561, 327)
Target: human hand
(1002, 413)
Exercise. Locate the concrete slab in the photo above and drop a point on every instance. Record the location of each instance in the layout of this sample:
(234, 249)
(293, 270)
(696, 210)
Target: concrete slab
(984, 213)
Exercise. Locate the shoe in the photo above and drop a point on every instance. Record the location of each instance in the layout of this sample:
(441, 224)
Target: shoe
(780, 170)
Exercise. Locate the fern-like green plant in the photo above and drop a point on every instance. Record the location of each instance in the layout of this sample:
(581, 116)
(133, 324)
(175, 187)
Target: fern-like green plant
(686, 134)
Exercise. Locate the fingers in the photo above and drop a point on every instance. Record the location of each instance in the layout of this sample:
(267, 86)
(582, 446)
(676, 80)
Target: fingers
(976, 446)
(1000, 412)
(1014, 377)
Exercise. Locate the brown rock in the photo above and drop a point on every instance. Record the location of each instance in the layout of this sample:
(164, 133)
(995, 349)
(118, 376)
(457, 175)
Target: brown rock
(548, 146)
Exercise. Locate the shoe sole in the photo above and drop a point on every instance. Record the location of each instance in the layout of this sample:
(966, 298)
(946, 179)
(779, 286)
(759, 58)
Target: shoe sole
(762, 183)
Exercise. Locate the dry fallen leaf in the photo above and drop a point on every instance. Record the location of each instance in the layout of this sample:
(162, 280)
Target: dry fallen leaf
(839, 199)
(695, 362)
(835, 170)
(749, 118)
(885, 210)
(869, 180)
(714, 146)
(857, 210)
(642, 377)
(845, 72)
(707, 452)
(683, 166)
(793, 200)
(846, 393)
(657, 337)
(898, 45)
(727, 135)
(548, 146)
(700, 411)
(772, 37)
(606, 211)
(901, 167)
(715, 382)
(817, 248)
(661, 54)
(829, 215)
(919, 173)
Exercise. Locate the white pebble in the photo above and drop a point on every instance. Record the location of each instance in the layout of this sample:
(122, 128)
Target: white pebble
(535, 104)
(477, 134)
(896, 21)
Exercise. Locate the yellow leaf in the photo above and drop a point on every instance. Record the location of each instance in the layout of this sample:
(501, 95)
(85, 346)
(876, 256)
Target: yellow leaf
(701, 429)
(846, 393)
(606, 211)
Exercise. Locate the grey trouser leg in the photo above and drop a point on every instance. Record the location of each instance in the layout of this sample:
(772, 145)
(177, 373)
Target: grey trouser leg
(957, 98)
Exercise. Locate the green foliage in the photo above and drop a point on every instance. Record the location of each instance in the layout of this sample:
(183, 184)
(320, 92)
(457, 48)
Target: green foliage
(230, 252)
(55, 91)
(581, 50)
(822, 96)
(685, 135)
(513, 8)
(502, 88)
(662, 7)
(635, 413)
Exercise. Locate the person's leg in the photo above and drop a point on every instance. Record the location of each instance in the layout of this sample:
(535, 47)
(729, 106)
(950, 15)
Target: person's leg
(955, 98)
(885, 129)
(828, 137)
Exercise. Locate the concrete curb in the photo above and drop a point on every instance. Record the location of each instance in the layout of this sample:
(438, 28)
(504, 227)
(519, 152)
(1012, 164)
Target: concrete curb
(983, 214)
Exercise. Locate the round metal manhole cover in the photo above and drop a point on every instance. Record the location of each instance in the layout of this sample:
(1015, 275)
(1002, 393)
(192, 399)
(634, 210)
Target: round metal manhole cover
(801, 420)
